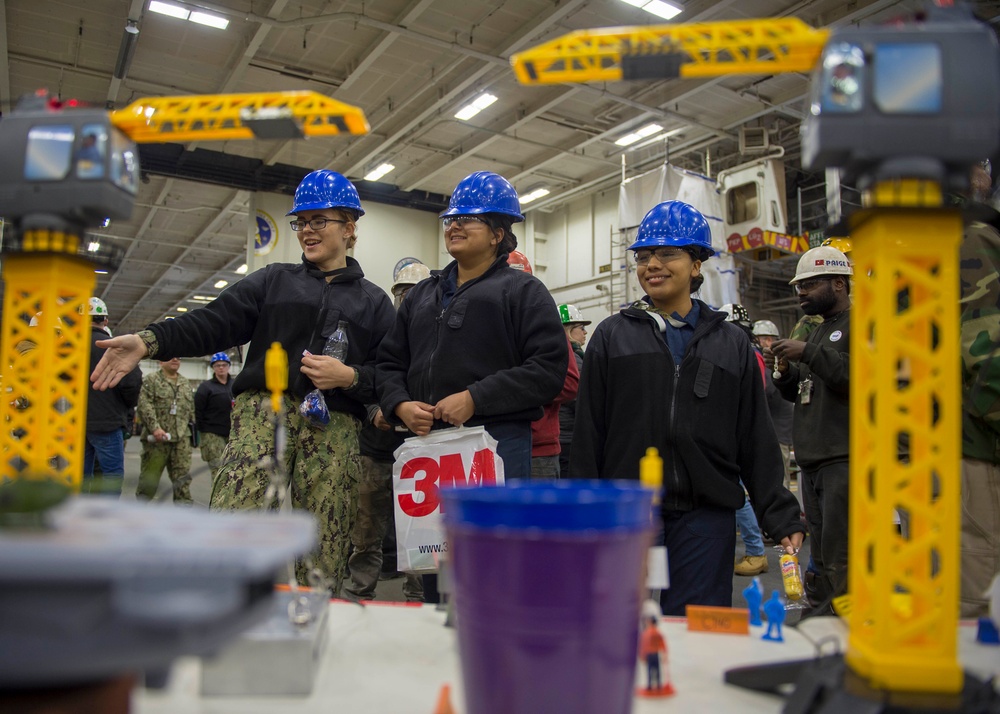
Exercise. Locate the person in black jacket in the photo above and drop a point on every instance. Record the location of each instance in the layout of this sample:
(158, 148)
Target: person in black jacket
(479, 343)
(299, 306)
(107, 416)
(670, 372)
(576, 330)
(815, 375)
(213, 408)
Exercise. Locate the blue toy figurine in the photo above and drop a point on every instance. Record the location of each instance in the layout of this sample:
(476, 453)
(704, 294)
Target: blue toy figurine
(754, 595)
(775, 611)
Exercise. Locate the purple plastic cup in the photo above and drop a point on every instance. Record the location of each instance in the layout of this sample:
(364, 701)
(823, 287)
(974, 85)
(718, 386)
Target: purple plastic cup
(548, 584)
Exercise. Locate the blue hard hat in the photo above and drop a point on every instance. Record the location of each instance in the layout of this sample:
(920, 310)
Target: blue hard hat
(678, 224)
(219, 357)
(326, 189)
(484, 192)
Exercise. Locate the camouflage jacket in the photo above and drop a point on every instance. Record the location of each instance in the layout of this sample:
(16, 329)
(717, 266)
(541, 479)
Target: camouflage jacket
(980, 308)
(156, 400)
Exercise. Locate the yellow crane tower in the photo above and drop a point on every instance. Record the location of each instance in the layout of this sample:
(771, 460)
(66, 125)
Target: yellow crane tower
(65, 169)
(905, 111)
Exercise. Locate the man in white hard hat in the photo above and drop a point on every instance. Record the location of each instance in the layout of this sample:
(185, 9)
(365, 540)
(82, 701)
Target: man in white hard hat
(814, 374)
(767, 334)
(108, 416)
(374, 523)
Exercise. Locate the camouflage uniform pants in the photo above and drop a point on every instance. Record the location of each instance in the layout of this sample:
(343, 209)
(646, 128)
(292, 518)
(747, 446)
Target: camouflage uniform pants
(375, 518)
(323, 466)
(176, 457)
(212, 446)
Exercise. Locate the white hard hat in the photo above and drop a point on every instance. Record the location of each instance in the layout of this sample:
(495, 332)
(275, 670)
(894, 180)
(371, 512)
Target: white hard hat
(411, 274)
(736, 313)
(97, 307)
(824, 260)
(765, 328)
(571, 315)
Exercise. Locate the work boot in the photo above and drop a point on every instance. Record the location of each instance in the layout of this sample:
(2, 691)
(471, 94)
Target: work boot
(751, 565)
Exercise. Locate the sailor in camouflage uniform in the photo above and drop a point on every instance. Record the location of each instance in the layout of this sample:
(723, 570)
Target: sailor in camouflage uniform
(980, 310)
(166, 405)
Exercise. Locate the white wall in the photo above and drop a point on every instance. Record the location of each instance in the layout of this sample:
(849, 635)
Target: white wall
(569, 245)
(385, 234)
(193, 368)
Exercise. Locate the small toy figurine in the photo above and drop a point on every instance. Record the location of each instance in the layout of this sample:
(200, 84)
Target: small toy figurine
(754, 595)
(651, 644)
(775, 611)
(987, 633)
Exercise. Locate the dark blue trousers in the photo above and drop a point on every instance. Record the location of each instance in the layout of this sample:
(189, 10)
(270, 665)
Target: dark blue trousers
(701, 545)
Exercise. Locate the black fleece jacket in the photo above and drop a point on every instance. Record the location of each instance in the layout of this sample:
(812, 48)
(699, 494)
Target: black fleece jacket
(708, 417)
(500, 337)
(293, 305)
(820, 429)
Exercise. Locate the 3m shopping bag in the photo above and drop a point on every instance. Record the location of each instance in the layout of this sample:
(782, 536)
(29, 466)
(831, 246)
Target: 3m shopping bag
(461, 457)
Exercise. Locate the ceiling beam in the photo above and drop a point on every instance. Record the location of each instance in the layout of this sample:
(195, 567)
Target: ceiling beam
(205, 233)
(6, 101)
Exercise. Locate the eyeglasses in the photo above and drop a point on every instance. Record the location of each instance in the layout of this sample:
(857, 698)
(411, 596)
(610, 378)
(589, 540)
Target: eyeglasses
(804, 286)
(462, 221)
(664, 255)
(317, 224)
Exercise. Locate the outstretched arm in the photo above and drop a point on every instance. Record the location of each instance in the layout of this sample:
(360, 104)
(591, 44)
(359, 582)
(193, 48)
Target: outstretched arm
(121, 356)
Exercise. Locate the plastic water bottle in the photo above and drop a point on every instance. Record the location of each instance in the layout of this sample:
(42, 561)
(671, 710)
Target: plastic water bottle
(336, 344)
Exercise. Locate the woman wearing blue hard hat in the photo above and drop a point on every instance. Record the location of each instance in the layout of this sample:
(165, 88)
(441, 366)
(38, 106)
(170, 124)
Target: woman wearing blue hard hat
(479, 343)
(668, 371)
(298, 305)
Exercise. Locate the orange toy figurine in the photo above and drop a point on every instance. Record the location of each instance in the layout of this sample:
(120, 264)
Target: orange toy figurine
(651, 644)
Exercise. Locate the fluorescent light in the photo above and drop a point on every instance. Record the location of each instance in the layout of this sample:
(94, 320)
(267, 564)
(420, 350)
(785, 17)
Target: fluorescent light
(219, 284)
(660, 8)
(639, 135)
(167, 9)
(203, 18)
(242, 270)
(181, 309)
(534, 195)
(101, 272)
(378, 172)
(93, 247)
(475, 106)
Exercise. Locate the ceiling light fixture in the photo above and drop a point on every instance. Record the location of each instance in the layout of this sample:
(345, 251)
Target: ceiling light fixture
(101, 272)
(534, 195)
(182, 13)
(639, 135)
(660, 8)
(165, 8)
(219, 284)
(379, 171)
(131, 27)
(203, 18)
(475, 106)
(181, 309)
(242, 270)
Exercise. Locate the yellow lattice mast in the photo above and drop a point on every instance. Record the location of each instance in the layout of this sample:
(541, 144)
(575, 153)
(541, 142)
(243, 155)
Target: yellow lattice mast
(62, 171)
(706, 49)
(904, 587)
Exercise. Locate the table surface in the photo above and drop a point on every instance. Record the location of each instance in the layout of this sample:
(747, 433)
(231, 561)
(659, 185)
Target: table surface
(394, 659)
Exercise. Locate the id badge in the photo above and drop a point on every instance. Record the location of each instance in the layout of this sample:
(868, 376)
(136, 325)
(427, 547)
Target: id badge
(173, 407)
(805, 391)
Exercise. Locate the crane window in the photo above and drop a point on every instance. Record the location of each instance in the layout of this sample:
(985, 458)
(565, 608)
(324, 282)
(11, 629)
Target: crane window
(743, 203)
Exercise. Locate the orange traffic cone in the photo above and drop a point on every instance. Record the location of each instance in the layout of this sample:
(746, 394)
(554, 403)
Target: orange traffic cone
(444, 701)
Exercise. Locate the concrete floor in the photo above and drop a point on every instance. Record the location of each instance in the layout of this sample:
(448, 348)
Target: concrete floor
(392, 590)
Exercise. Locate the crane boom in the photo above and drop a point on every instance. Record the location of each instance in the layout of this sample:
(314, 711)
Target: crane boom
(263, 115)
(705, 49)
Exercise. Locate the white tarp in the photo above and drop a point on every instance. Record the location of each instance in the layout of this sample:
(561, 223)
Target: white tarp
(640, 193)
